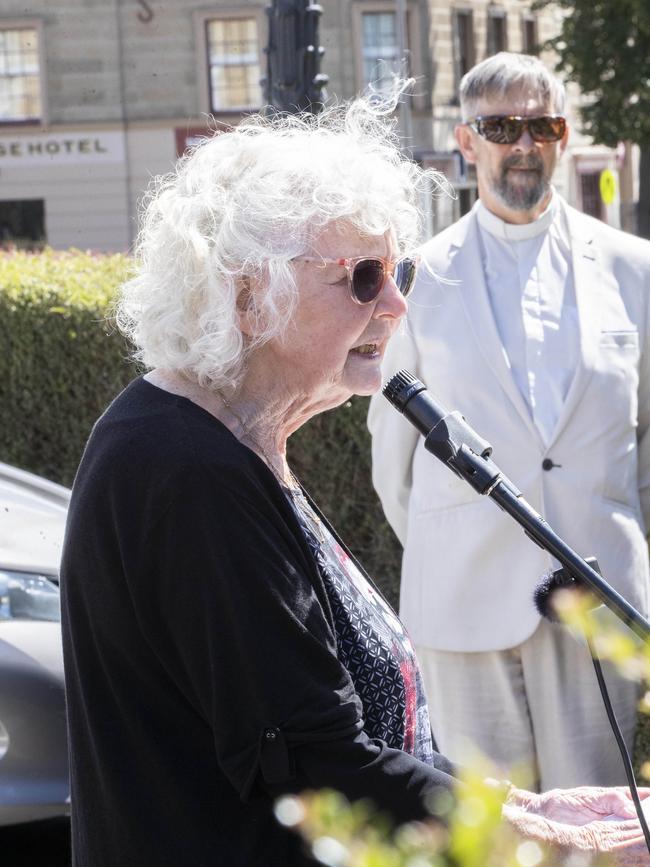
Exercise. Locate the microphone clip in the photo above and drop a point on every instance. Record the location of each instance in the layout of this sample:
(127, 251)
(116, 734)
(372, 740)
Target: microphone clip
(452, 432)
(458, 445)
(562, 577)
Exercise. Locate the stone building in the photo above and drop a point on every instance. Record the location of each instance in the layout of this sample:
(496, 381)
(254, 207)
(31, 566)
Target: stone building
(97, 96)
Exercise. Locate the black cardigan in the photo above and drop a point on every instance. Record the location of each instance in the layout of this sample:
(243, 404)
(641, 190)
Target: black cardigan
(201, 667)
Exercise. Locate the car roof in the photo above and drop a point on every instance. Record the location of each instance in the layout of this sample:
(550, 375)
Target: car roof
(32, 521)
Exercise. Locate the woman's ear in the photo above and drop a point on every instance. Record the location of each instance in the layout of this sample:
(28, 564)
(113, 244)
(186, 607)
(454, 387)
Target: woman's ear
(245, 306)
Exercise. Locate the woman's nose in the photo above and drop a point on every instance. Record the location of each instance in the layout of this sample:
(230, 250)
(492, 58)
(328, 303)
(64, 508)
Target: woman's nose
(391, 301)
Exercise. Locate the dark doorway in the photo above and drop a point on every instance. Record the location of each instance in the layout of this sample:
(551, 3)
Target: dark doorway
(592, 202)
(22, 223)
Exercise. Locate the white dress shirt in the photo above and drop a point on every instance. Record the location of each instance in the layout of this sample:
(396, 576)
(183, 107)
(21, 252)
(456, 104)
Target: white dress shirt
(529, 277)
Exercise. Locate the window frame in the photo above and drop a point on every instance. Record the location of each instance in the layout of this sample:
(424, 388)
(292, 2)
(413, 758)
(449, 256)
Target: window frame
(458, 12)
(201, 19)
(495, 13)
(527, 19)
(35, 24)
(416, 68)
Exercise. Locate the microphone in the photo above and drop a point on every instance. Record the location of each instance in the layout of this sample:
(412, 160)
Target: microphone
(544, 593)
(552, 582)
(447, 434)
(424, 412)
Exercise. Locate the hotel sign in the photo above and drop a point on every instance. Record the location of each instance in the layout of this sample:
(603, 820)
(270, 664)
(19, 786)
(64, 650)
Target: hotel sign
(55, 149)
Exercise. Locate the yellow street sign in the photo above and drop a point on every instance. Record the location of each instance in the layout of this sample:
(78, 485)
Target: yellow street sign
(607, 184)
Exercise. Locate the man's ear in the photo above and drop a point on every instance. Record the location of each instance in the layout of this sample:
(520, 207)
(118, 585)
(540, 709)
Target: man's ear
(564, 140)
(465, 138)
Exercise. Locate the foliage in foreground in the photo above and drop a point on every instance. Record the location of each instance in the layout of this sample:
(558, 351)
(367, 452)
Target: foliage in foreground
(340, 834)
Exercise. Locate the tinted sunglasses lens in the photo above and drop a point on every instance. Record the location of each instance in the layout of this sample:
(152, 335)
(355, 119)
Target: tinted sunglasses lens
(367, 280)
(507, 130)
(547, 129)
(500, 130)
(405, 275)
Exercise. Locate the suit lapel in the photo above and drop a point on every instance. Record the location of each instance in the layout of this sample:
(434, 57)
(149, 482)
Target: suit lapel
(467, 267)
(588, 281)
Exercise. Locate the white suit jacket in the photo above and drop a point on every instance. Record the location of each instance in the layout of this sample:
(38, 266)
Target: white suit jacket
(469, 571)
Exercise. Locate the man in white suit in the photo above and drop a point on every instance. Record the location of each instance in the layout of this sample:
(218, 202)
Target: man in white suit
(533, 320)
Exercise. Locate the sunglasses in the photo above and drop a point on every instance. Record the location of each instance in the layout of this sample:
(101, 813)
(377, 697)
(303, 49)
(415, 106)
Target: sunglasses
(507, 129)
(368, 274)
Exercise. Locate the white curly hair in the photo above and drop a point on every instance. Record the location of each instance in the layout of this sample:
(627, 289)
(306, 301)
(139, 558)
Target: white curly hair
(240, 207)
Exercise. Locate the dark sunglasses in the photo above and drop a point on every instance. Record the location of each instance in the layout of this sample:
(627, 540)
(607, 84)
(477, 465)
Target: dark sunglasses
(507, 129)
(367, 274)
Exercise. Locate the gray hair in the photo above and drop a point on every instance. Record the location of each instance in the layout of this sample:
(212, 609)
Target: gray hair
(506, 73)
(238, 209)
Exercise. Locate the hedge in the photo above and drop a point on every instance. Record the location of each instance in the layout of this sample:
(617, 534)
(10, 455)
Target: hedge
(63, 361)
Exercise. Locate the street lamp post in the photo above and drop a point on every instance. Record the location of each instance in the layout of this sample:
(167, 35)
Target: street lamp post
(293, 80)
(405, 69)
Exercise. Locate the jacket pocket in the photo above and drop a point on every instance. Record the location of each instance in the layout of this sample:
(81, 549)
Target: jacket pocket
(619, 339)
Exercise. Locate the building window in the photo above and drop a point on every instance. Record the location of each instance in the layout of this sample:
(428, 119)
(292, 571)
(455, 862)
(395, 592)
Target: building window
(464, 55)
(20, 75)
(22, 223)
(379, 48)
(233, 63)
(529, 34)
(497, 31)
(378, 54)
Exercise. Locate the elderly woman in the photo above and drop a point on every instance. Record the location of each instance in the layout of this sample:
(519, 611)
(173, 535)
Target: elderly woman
(221, 644)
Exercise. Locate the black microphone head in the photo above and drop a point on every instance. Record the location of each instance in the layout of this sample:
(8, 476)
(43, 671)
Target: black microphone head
(401, 387)
(543, 596)
(545, 591)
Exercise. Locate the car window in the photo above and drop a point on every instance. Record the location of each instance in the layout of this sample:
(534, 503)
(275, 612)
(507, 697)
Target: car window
(26, 596)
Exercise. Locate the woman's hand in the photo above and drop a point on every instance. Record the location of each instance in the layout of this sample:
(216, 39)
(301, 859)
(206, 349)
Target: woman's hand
(586, 820)
(579, 806)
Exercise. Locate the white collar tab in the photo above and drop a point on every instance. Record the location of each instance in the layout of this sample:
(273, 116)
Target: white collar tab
(516, 231)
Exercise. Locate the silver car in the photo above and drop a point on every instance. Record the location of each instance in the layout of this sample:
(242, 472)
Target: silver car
(33, 750)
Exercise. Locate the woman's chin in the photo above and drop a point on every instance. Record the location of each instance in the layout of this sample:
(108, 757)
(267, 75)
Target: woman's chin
(365, 382)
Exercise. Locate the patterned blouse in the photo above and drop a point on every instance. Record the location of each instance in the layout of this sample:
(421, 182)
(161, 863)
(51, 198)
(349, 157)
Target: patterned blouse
(372, 643)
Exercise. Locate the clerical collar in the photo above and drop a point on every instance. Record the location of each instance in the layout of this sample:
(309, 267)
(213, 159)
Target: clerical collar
(516, 231)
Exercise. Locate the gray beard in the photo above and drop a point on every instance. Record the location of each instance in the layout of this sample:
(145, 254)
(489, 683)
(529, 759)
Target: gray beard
(522, 197)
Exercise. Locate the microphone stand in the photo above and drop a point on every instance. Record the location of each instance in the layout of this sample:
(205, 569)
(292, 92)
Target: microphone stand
(449, 437)
(455, 443)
